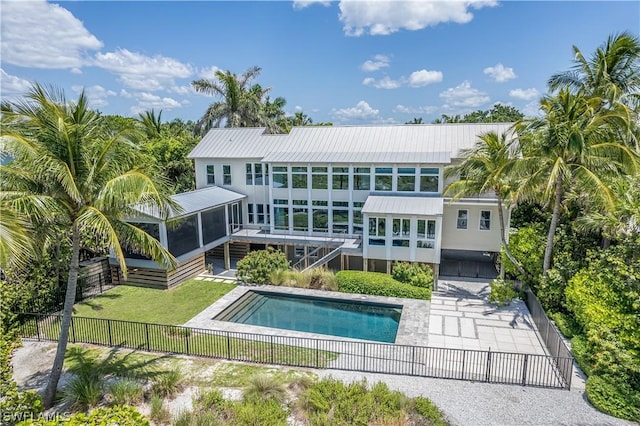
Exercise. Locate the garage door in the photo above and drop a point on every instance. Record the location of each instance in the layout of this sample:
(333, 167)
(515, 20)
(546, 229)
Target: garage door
(468, 264)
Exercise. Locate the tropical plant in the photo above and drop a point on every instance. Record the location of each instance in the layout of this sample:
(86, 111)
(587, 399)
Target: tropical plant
(263, 387)
(78, 177)
(573, 148)
(488, 167)
(257, 266)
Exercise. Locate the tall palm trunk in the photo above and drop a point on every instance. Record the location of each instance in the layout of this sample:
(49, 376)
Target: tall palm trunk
(69, 301)
(552, 227)
(503, 239)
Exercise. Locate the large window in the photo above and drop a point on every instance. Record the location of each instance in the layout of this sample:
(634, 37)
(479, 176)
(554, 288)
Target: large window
(384, 178)
(406, 179)
(299, 177)
(300, 218)
(340, 216)
(280, 178)
(426, 233)
(377, 231)
(340, 178)
(357, 217)
(226, 174)
(429, 179)
(320, 216)
(401, 232)
(254, 174)
(319, 177)
(249, 173)
(211, 174)
(485, 220)
(213, 226)
(281, 217)
(463, 217)
(182, 235)
(362, 178)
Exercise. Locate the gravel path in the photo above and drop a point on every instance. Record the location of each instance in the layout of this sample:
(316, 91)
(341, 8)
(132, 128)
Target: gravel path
(464, 403)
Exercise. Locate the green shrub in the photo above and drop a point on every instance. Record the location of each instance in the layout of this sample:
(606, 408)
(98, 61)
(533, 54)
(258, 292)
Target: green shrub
(416, 274)
(209, 400)
(321, 279)
(119, 415)
(260, 413)
(167, 384)
(84, 391)
(614, 396)
(157, 411)
(257, 266)
(125, 392)
(582, 354)
(502, 292)
(263, 387)
(429, 411)
(378, 284)
(566, 324)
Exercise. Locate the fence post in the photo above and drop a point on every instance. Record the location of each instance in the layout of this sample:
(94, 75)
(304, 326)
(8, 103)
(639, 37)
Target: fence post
(413, 360)
(146, 327)
(364, 357)
(35, 317)
(488, 372)
(109, 328)
(186, 338)
(271, 347)
(317, 354)
(228, 346)
(464, 359)
(524, 369)
(73, 331)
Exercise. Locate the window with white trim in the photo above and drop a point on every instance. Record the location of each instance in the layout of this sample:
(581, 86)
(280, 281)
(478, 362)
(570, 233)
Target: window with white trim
(340, 178)
(211, 174)
(319, 178)
(401, 232)
(426, 234)
(406, 179)
(226, 174)
(377, 231)
(280, 177)
(485, 220)
(362, 178)
(299, 177)
(384, 179)
(463, 217)
(429, 178)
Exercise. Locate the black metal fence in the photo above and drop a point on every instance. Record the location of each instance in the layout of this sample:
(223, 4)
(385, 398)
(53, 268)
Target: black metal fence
(547, 330)
(461, 364)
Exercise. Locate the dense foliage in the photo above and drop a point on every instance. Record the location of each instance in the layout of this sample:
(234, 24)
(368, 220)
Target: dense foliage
(258, 266)
(118, 415)
(378, 284)
(416, 274)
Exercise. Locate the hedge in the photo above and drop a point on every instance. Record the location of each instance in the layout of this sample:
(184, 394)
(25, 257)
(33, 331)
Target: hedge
(378, 284)
(614, 397)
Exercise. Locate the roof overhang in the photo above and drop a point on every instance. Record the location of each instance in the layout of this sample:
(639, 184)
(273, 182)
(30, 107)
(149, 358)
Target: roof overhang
(403, 206)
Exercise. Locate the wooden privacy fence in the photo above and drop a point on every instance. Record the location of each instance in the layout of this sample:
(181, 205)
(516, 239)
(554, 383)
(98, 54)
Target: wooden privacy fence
(474, 365)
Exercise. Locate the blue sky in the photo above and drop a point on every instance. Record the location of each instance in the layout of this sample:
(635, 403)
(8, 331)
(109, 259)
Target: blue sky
(348, 62)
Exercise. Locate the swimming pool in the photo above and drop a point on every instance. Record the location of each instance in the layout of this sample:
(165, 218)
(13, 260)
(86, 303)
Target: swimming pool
(335, 317)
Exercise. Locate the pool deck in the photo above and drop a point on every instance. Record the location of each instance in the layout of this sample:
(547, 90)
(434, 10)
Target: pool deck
(413, 328)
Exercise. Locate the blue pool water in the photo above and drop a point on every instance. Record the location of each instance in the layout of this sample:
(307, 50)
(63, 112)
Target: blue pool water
(353, 319)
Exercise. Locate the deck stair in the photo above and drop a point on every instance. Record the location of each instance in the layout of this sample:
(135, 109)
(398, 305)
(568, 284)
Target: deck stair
(324, 259)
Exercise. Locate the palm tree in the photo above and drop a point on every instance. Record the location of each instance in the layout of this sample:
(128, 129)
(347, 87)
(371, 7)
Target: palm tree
(487, 168)
(240, 105)
(300, 119)
(79, 177)
(574, 145)
(612, 73)
(416, 120)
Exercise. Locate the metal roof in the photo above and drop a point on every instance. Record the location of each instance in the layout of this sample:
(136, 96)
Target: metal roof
(195, 201)
(430, 143)
(409, 206)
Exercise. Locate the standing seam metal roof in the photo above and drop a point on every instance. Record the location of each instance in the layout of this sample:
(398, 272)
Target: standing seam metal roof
(422, 206)
(195, 201)
(432, 143)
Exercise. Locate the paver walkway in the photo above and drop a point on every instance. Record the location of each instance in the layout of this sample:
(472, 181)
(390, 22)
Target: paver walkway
(461, 318)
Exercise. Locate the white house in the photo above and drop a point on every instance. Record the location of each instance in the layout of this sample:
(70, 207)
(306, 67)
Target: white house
(363, 195)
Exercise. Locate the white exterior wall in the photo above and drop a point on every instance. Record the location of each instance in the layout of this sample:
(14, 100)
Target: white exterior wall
(472, 238)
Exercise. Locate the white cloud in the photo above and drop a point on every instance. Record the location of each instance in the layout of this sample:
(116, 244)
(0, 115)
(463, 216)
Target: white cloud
(386, 17)
(403, 109)
(524, 94)
(141, 72)
(416, 79)
(11, 85)
(208, 73)
(43, 35)
(424, 77)
(301, 4)
(378, 61)
(362, 111)
(97, 95)
(500, 73)
(463, 96)
(383, 83)
(147, 101)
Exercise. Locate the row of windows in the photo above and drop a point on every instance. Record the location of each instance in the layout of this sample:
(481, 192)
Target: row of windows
(316, 217)
(463, 219)
(257, 174)
(407, 179)
(401, 232)
(226, 174)
(259, 214)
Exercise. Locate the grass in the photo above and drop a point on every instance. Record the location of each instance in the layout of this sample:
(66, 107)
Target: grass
(175, 306)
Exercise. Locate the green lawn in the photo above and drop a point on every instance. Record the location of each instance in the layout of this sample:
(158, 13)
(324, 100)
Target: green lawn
(175, 306)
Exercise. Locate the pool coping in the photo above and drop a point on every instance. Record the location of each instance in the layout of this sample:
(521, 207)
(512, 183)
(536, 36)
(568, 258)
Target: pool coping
(413, 328)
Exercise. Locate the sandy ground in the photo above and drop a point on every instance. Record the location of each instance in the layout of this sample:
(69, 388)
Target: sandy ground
(464, 403)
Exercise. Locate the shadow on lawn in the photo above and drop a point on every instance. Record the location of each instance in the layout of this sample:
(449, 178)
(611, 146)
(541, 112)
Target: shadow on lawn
(94, 303)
